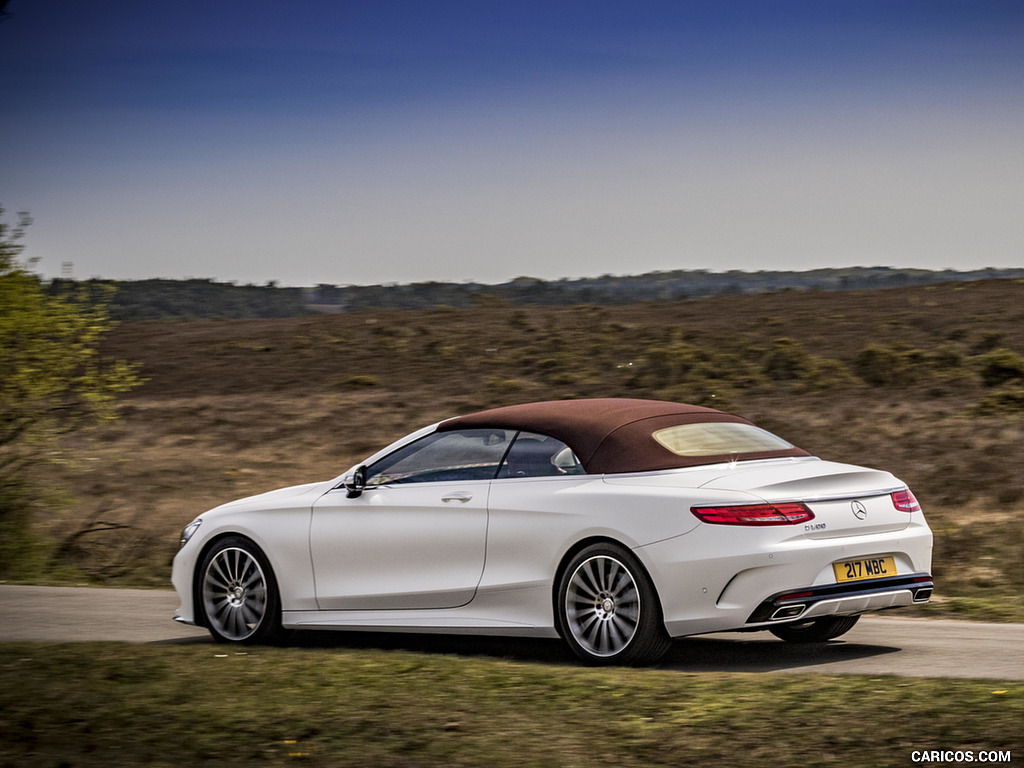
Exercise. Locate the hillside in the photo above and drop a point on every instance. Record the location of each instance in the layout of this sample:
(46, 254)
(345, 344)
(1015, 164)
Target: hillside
(927, 382)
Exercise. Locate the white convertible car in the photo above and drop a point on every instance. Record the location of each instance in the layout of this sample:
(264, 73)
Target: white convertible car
(615, 524)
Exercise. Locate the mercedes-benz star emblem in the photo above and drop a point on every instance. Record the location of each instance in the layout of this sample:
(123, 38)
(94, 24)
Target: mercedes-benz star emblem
(859, 510)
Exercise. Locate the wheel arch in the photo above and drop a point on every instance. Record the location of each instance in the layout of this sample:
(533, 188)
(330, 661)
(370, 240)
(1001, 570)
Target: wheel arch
(578, 547)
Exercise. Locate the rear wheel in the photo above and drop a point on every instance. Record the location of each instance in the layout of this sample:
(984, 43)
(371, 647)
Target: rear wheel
(607, 609)
(815, 630)
(238, 593)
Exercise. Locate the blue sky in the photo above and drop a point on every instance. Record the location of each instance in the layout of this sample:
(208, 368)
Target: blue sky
(379, 141)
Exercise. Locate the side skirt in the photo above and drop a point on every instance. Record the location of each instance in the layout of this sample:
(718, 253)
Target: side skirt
(455, 621)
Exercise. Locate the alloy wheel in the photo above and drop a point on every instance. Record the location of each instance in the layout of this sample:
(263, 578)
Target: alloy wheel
(602, 606)
(234, 593)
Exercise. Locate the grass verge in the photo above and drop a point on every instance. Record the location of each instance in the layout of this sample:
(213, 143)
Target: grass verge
(112, 705)
(994, 608)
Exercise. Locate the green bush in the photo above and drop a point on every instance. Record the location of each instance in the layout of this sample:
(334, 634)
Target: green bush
(503, 386)
(20, 547)
(787, 360)
(877, 365)
(1008, 400)
(827, 373)
(989, 341)
(1000, 366)
(946, 357)
(883, 366)
(360, 380)
(664, 366)
(53, 383)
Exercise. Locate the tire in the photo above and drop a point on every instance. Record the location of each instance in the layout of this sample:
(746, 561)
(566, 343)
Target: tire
(815, 630)
(238, 594)
(607, 609)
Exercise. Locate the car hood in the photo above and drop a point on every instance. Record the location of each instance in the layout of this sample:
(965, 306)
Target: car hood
(281, 497)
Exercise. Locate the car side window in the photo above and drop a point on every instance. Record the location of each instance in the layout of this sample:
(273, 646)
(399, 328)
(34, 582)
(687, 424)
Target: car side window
(472, 454)
(534, 455)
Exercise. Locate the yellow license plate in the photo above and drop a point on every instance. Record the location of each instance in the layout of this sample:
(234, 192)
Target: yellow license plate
(868, 568)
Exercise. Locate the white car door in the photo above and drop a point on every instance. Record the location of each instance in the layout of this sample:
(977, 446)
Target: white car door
(416, 536)
(400, 546)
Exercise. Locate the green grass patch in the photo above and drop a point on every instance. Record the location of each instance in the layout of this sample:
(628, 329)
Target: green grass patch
(995, 608)
(114, 704)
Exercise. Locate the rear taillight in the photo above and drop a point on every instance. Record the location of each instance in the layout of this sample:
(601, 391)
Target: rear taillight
(755, 514)
(904, 501)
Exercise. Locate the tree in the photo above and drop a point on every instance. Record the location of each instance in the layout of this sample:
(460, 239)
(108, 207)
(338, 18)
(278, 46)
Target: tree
(53, 381)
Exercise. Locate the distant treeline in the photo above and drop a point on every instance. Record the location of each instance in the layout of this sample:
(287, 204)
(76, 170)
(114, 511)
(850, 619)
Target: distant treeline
(198, 298)
(160, 299)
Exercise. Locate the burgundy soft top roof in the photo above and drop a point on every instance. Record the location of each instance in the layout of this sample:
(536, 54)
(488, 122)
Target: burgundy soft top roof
(611, 435)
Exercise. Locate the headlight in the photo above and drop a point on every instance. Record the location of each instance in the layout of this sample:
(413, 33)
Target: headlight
(187, 532)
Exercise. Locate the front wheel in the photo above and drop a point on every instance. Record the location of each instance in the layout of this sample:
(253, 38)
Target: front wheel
(239, 594)
(815, 630)
(607, 609)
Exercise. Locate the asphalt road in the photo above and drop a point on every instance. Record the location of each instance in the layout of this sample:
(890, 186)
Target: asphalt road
(876, 646)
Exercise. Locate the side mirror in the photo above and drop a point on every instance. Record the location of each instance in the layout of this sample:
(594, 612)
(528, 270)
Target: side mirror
(355, 483)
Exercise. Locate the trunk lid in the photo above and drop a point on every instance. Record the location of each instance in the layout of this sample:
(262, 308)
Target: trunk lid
(846, 500)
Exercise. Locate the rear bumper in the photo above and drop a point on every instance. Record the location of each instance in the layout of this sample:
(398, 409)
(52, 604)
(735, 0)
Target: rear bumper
(843, 599)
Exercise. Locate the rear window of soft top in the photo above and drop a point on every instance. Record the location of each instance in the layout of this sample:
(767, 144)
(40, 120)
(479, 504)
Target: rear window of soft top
(718, 438)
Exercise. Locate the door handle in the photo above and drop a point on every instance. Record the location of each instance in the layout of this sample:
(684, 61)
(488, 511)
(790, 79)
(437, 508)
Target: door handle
(460, 496)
